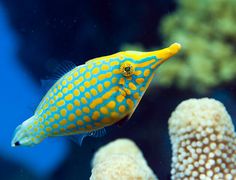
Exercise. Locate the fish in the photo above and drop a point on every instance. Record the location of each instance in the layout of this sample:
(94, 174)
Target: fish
(93, 96)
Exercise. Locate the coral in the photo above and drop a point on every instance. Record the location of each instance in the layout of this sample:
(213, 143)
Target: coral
(207, 31)
(208, 35)
(203, 141)
(120, 159)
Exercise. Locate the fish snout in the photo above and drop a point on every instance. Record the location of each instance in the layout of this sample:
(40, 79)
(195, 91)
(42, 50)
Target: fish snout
(21, 136)
(14, 144)
(166, 53)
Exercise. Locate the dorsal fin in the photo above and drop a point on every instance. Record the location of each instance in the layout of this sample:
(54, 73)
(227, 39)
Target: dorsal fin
(47, 84)
(61, 69)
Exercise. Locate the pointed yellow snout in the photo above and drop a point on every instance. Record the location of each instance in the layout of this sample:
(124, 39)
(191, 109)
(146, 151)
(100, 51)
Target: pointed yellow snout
(165, 54)
(168, 52)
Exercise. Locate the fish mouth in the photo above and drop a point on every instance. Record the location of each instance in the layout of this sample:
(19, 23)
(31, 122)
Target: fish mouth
(14, 144)
(15, 138)
(166, 53)
(15, 141)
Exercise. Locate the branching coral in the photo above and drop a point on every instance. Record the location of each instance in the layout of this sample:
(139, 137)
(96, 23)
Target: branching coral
(203, 141)
(121, 160)
(207, 30)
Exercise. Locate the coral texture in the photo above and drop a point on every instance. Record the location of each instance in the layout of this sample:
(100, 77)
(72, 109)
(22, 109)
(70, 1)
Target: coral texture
(203, 141)
(208, 34)
(120, 160)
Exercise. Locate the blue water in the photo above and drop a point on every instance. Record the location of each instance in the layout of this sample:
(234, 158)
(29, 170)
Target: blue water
(37, 35)
(18, 93)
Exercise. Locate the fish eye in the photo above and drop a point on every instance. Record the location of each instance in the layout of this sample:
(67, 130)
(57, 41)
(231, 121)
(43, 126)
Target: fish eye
(127, 69)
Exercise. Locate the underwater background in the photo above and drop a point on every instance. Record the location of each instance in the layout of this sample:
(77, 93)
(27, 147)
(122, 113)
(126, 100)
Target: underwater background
(37, 35)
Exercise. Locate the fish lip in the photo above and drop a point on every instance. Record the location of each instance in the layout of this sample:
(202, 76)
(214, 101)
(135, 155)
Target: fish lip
(175, 47)
(15, 141)
(166, 53)
(13, 144)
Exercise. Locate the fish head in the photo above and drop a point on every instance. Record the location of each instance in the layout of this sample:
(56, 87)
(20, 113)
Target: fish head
(24, 135)
(139, 67)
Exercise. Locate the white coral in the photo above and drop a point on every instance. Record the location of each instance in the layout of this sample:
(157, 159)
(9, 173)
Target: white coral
(203, 141)
(120, 159)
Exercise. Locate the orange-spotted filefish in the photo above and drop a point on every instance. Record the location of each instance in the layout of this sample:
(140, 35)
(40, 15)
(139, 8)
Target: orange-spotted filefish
(92, 96)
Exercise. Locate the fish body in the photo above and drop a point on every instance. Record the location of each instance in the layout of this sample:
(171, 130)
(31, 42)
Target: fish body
(92, 96)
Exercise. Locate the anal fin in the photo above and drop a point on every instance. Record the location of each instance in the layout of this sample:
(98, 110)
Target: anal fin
(98, 133)
(78, 139)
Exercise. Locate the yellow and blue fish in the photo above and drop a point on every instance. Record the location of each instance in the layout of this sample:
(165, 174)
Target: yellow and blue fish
(97, 94)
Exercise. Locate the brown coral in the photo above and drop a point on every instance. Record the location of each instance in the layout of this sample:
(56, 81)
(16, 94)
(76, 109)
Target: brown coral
(203, 141)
